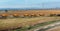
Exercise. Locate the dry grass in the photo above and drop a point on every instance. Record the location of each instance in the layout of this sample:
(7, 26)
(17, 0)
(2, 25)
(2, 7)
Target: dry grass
(36, 11)
(21, 12)
(21, 22)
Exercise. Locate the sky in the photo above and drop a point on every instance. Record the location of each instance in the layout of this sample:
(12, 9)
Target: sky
(29, 3)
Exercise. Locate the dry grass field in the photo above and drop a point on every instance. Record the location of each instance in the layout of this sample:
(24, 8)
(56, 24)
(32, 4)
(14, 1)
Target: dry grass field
(29, 12)
(21, 22)
(36, 11)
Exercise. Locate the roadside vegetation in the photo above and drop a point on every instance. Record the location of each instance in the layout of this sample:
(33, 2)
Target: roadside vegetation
(25, 28)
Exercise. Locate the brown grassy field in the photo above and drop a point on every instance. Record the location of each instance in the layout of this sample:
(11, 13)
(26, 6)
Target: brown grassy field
(22, 12)
(36, 11)
(21, 22)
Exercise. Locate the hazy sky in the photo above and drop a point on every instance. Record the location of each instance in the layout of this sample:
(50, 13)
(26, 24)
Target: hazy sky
(29, 3)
